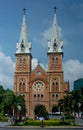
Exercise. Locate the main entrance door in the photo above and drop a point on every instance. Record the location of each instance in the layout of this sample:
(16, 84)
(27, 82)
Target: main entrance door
(54, 109)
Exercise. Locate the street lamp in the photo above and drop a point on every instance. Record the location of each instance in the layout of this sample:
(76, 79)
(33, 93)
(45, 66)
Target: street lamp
(19, 112)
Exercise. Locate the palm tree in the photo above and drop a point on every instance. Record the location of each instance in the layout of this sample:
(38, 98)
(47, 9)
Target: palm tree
(65, 105)
(75, 96)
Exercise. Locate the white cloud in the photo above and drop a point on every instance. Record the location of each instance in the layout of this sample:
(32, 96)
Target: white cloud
(35, 63)
(73, 69)
(6, 71)
(46, 35)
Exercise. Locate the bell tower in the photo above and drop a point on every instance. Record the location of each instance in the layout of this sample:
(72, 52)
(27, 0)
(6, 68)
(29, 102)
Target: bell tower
(55, 69)
(23, 61)
(55, 48)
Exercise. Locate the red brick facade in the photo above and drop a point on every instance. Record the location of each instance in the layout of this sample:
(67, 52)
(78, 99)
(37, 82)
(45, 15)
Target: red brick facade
(39, 86)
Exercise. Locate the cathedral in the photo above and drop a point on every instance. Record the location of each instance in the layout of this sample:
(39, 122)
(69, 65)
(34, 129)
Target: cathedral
(39, 86)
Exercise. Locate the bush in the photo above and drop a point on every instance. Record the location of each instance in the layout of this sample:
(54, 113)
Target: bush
(46, 122)
(32, 122)
(69, 117)
(3, 118)
(56, 122)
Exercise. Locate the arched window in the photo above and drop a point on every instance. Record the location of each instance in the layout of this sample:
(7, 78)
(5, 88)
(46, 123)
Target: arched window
(41, 95)
(22, 85)
(34, 95)
(53, 60)
(53, 86)
(56, 95)
(38, 95)
(56, 59)
(57, 87)
(22, 63)
(20, 60)
(53, 97)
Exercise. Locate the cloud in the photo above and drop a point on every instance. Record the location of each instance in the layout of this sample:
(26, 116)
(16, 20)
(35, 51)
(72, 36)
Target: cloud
(46, 35)
(35, 63)
(73, 70)
(6, 71)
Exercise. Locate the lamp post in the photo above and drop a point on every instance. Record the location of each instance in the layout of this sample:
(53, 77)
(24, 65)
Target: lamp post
(19, 113)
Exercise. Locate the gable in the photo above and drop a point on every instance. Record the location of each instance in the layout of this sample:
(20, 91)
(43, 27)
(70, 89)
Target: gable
(38, 74)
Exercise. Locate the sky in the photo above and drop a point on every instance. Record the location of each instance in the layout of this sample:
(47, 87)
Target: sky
(39, 17)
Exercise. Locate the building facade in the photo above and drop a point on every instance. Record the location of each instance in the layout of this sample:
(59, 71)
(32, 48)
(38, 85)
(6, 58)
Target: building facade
(78, 84)
(39, 86)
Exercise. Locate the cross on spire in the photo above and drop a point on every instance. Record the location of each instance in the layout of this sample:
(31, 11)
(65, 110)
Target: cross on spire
(24, 10)
(38, 62)
(55, 9)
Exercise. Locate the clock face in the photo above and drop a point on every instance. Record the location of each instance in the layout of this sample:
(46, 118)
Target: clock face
(38, 73)
(38, 86)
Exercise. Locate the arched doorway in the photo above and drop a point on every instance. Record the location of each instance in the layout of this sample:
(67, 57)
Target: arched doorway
(54, 109)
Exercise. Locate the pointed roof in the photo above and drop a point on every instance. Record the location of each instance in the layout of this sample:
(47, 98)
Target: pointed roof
(23, 46)
(55, 44)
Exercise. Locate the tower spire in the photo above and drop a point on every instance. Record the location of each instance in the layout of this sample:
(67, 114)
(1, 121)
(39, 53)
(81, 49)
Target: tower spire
(55, 44)
(23, 46)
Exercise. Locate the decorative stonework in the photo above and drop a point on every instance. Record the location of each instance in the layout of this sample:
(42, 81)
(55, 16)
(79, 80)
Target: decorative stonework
(38, 86)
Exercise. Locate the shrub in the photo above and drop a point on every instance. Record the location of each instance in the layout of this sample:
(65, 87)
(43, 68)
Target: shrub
(3, 118)
(56, 122)
(69, 117)
(46, 122)
(32, 122)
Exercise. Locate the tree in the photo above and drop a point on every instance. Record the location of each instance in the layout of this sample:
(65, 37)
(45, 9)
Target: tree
(20, 101)
(1, 94)
(65, 104)
(75, 96)
(81, 99)
(40, 111)
(1, 97)
(9, 102)
(70, 103)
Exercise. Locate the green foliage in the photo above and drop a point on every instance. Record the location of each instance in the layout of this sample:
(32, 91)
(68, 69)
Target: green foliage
(46, 122)
(21, 102)
(1, 94)
(70, 103)
(3, 118)
(9, 102)
(32, 122)
(40, 111)
(69, 117)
